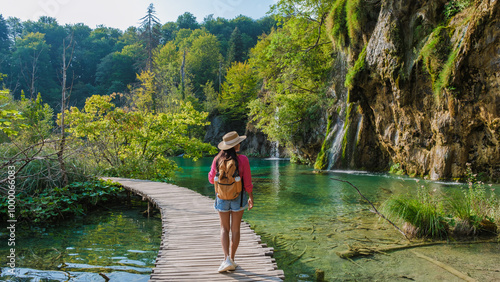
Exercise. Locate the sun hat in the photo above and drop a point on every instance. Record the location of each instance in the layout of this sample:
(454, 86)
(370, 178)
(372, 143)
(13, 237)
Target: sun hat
(230, 140)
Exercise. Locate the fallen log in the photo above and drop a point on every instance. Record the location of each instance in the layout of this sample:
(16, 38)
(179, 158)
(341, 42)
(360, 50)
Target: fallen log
(445, 267)
(359, 250)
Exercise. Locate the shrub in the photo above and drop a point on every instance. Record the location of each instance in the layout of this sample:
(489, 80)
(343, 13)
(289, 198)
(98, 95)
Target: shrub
(57, 203)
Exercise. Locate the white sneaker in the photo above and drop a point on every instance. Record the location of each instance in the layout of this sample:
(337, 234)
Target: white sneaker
(226, 265)
(235, 265)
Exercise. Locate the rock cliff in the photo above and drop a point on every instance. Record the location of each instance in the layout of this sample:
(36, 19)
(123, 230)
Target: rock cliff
(427, 96)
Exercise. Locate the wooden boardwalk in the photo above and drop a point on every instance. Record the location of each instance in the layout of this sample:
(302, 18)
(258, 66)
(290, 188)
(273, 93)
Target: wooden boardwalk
(190, 249)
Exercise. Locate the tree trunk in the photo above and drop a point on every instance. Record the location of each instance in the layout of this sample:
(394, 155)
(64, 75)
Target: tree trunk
(62, 144)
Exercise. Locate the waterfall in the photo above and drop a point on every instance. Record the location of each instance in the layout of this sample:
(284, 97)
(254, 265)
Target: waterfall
(337, 133)
(275, 152)
(336, 149)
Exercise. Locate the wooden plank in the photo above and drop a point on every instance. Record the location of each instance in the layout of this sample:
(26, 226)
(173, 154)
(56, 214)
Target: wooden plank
(190, 249)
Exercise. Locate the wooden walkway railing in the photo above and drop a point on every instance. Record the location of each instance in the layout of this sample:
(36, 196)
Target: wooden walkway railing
(190, 248)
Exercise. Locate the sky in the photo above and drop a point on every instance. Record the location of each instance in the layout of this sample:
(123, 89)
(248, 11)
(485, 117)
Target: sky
(125, 13)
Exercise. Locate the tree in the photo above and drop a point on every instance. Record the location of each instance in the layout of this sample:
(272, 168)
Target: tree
(66, 63)
(295, 62)
(167, 71)
(239, 89)
(4, 37)
(135, 143)
(236, 51)
(118, 69)
(168, 32)
(149, 25)
(32, 54)
(202, 62)
(187, 21)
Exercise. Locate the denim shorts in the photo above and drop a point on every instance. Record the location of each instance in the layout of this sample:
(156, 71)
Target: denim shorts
(231, 205)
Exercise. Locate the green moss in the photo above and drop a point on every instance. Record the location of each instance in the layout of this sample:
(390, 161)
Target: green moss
(445, 74)
(337, 24)
(455, 6)
(353, 13)
(357, 68)
(396, 169)
(345, 22)
(439, 59)
(351, 108)
(321, 160)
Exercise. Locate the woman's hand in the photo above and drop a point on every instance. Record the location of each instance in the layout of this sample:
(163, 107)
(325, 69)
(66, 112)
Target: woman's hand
(250, 203)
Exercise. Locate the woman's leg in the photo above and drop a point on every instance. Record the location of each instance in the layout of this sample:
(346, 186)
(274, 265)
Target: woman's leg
(235, 231)
(225, 224)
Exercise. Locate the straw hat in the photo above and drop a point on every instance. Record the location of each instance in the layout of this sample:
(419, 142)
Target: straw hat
(231, 139)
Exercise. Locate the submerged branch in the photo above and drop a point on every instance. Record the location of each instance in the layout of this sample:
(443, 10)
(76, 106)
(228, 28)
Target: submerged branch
(363, 250)
(374, 208)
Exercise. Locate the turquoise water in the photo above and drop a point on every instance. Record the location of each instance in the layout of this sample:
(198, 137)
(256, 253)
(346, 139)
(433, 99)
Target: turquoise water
(308, 217)
(119, 243)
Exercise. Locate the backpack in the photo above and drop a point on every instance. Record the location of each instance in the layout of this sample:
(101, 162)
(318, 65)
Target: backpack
(228, 184)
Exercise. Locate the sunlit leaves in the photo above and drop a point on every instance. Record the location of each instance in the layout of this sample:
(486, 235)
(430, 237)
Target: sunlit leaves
(135, 143)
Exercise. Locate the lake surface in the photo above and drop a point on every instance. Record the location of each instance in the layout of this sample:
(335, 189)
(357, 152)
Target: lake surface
(119, 243)
(308, 217)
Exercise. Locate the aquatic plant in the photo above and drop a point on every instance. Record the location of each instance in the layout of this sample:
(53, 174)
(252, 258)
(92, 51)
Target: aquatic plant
(422, 215)
(473, 211)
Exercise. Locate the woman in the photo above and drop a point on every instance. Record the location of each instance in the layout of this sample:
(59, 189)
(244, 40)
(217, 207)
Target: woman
(231, 211)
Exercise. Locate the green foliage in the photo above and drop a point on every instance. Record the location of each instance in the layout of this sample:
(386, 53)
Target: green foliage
(130, 143)
(212, 97)
(8, 116)
(454, 7)
(62, 203)
(38, 118)
(240, 88)
(118, 69)
(295, 71)
(424, 212)
(338, 24)
(358, 67)
(236, 51)
(187, 21)
(202, 61)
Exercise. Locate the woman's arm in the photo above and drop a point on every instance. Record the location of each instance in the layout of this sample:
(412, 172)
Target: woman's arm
(212, 172)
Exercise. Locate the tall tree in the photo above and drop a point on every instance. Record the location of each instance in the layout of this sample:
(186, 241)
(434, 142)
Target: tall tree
(202, 62)
(188, 21)
(149, 24)
(31, 54)
(66, 63)
(236, 51)
(4, 36)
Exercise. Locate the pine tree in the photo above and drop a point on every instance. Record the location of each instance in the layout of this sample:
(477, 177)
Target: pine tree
(236, 51)
(149, 25)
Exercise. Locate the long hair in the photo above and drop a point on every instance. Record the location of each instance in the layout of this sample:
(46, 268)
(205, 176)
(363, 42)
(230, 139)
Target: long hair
(227, 155)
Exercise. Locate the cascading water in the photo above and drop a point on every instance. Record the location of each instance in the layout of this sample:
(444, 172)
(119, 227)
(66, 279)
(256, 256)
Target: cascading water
(275, 152)
(336, 134)
(336, 149)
